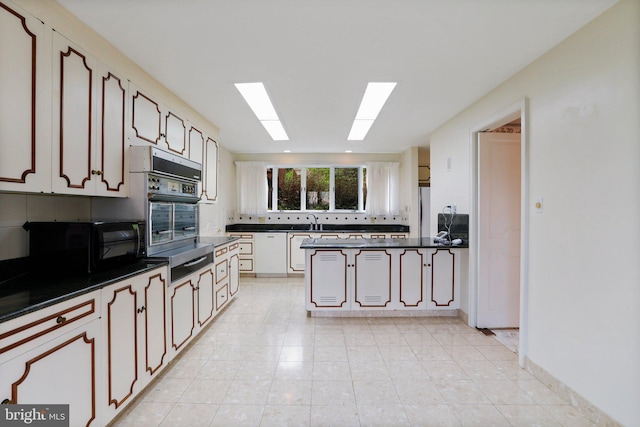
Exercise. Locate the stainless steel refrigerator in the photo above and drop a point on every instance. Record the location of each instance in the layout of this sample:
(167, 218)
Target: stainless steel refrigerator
(424, 211)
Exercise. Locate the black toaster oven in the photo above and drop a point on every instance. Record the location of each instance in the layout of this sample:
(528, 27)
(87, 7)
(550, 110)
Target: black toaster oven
(85, 247)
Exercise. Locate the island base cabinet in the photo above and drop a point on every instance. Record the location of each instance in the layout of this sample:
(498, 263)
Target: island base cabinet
(444, 284)
(373, 281)
(422, 280)
(62, 371)
(326, 280)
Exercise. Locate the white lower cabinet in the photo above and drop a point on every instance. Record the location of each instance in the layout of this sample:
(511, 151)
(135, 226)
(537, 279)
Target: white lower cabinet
(271, 254)
(227, 273)
(51, 357)
(134, 328)
(191, 307)
(246, 252)
(444, 286)
(382, 279)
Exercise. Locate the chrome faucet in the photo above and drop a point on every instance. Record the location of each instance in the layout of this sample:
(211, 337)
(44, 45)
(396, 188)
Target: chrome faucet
(314, 226)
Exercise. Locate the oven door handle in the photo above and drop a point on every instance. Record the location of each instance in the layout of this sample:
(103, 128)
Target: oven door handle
(198, 261)
(188, 228)
(164, 232)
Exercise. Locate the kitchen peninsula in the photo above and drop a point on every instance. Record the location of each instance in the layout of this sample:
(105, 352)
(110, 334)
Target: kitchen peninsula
(383, 277)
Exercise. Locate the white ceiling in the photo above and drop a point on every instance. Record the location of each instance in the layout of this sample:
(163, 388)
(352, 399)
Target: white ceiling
(315, 58)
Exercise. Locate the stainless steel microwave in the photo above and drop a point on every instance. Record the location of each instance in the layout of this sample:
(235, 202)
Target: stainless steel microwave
(85, 247)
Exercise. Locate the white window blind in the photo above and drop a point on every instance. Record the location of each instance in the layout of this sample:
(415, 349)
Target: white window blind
(251, 197)
(383, 188)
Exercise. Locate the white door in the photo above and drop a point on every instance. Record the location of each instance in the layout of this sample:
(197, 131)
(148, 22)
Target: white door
(499, 230)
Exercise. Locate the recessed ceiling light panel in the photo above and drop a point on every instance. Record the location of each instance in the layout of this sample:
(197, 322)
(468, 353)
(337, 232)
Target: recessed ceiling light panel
(256, 96)
(372, 102)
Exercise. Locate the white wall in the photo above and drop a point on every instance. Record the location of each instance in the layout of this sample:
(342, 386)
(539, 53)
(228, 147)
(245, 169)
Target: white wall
(584, 144)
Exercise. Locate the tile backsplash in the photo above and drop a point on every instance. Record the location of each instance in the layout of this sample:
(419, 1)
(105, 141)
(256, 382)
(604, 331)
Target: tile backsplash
(16, 209)
(323, 217)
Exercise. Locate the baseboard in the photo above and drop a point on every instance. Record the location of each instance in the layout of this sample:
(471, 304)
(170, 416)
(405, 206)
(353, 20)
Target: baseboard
(589, 410)
(462, 315)
(382, 313)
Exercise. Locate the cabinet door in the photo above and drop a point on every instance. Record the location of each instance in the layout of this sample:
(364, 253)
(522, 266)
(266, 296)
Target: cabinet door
(372, 283)
(111, 167)
(123, 359)
(175, 134)
(327, 284)
(210, 168)
(155, 315)
(62, 371)
(146, 118)
(183, 308)
(412, 265)
(234, 273)
(25, 103)
(297, 255)
(444, 277)
(74, 124)
(204, 286)
(196, 153)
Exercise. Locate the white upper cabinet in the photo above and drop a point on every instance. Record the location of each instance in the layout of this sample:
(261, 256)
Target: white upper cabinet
(153, 123)
(146, 118)
(88, 155)
(111, 154)
(204, 149)
(25, 102)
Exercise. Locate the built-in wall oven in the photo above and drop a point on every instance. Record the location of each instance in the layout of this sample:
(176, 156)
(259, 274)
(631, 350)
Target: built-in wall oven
(163, 191)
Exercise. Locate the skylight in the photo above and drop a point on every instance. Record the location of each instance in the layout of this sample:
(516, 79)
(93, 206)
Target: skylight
(256, 96)
(372, 102)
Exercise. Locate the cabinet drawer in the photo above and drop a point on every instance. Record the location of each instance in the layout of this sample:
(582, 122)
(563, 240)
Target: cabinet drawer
(26, 330)
(221, 251)
(245, 265)
(222, 296)
(222, 270)
(234, 246)
(246, 248)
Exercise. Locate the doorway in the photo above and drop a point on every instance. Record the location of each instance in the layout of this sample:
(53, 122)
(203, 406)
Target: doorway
(498, 280)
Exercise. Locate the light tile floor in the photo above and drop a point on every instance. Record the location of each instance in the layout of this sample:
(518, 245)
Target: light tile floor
(263, 362)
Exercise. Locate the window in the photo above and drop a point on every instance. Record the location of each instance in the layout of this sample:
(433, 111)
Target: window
(289, 189)
(316, 188)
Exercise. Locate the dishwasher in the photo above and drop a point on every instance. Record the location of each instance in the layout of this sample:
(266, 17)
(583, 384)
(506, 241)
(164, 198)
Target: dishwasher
(271, 254)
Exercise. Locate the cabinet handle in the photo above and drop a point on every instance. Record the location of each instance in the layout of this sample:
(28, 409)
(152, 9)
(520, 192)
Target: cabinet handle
(61, 319)
(141, 309)
(95, 172)
(198, 261)
(8, 402)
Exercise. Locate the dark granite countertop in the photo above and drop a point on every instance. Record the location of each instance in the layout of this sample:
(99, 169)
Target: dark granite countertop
(33, 291)
(345, 228)
(424, 242)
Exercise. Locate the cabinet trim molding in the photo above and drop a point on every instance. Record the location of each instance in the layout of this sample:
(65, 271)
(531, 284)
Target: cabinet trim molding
(63, 57)
(346, 272)
(30, 363)
(453, 277)
(103, 178)
(32, 168)
(421, 299)
(123, 399)
(163, 283)
(91, 308)
(193, 324)
(355, 280)
(133, 114)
